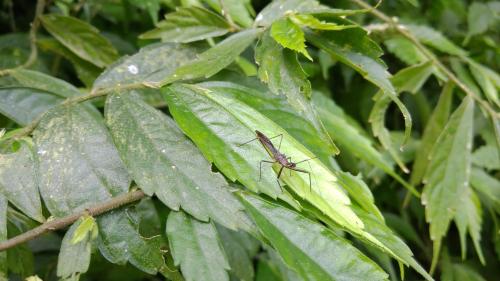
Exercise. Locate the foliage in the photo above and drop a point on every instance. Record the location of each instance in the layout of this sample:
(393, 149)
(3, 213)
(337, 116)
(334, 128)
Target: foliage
(393, 124)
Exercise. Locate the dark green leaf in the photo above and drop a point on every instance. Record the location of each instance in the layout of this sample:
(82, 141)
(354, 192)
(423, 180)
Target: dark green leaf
(42, 81)
(290, 36)
(119, 241)
(282, 72)
(19, 181)
(188, 25)
(309, 248)
(149, 66)
(447, 177)
(214, 59)
(434, 127)
(163, 161)
(196, 248)
(81, 38)
(458, 272)
(79, 165)
(74, 258)
(23, 105)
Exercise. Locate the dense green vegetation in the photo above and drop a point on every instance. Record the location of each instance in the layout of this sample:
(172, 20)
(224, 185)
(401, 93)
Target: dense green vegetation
(126, 128)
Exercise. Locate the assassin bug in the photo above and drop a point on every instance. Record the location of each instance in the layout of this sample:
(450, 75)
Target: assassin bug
(278, 157)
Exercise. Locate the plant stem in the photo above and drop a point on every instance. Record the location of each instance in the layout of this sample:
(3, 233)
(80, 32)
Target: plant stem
(40, 6)
(59, 223)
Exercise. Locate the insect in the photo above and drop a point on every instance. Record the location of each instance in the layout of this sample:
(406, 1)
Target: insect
(278, 157)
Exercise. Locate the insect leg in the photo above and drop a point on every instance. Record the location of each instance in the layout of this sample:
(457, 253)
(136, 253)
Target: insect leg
(306, 172)
(246, 142)
(260, 167)
(306, 160)
(278, 178)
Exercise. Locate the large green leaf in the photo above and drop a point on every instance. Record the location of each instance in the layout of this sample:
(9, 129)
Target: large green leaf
(276, 108)
(23, 105)
(220, 124)
(3, 237)
(42, 81)
(309, 248)
(214, 59)
(447, 177)
(81, 38)
(74, 258)
(281, 71)
(188, 25)
(79, 165)
(19, 181)
(163, 161)
(434, 127)
(290, 36)
(150, 65)
(196, 248)
(240, 249)
(119, 241)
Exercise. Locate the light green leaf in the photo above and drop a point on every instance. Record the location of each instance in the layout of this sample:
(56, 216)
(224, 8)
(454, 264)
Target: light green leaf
(79, 165)
(87, 228)
(314, 23)
(312, 250)
(74, 258)
(86, 71)
(447, 176)
(239, 11)
(479, 18)
(3, 237)
(23, 105)
(435, 39)
(487, 85)
(405, 50)
(349, 135)
(434, 127)
(240, 249)
(220, 124)
(188, 25)
(119, 241)
(44, 82)
(487, 186)
(214, 59)
(196, 248)
(19, 181)
(289, 35)
(282, 72)
(469, 219)
(81, 38)
(279, 8)
(150, 65)
(487, 157)
(163, 161)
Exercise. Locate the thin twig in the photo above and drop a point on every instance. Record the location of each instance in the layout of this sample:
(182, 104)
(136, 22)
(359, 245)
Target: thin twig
(40, 6)
(60, 223)
(408, 35)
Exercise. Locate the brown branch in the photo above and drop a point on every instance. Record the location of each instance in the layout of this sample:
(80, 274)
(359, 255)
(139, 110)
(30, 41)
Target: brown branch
(447, 72)
(59, 223)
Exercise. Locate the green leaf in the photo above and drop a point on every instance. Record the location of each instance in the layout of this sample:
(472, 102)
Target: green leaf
(312, 250)
(19, 181)
(87, 228)
(469, 219)
(86, 71)
(240, 11)
(240, 249)
(289, 35)
(435, 39)
(487, 85)
(188, 25)
(314, 23)
(434, 127)
(349, 135)
(3, 237)
(214, 59)
(44, 82)
(81, 38)
(405, 50)
(220, 124)
(23, 105)
(487, 186)
(479, 18)
(282, 72)
(119, 241)
(487, 157)
(79, 165)
(74, 258)
(279, 8)
(196, 248)
(458, 272)
(150, 65)
(447, 177)
(163, 161)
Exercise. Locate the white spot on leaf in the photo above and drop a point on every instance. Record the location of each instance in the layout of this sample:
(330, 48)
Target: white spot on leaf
(133, 69)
